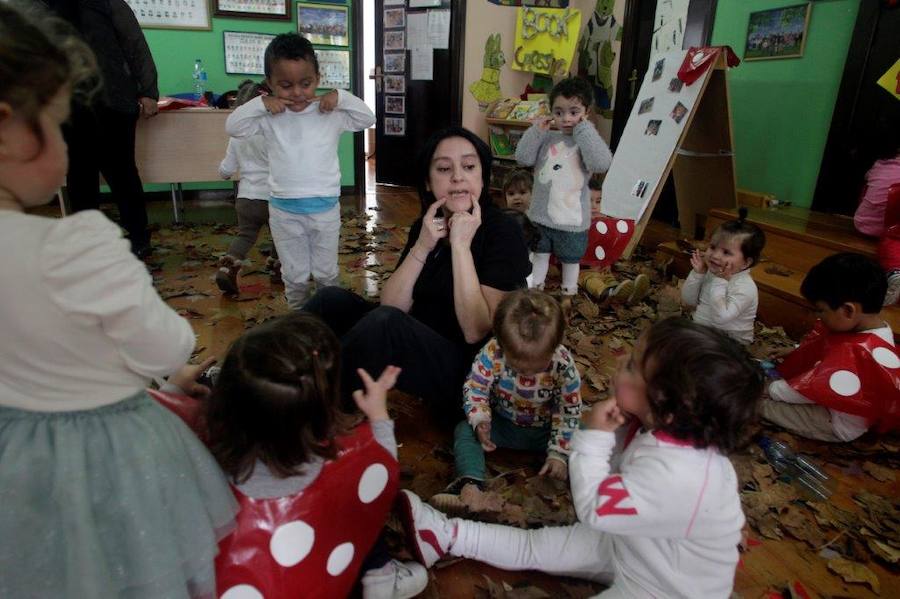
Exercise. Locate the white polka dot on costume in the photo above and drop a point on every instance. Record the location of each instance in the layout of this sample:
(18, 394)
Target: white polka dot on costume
(601, 227)
(622, 226)
(242, 591)
(292, 542)
(340, 558)
(886, 357)
(372, 483)
(844, 382)
(600, 253)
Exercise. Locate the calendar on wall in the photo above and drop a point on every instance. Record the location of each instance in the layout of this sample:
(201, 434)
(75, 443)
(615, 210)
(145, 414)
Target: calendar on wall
(244, 52)
(334, 66)
(171, 14)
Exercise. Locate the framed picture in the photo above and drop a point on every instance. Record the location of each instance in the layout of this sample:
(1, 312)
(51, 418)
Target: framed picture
(395, 104)
(394, 40)
(395, 126)
(244, 52)
(394, 17)
(395, 62)
(394, 84)
(160, 14)
(395, 2)
(334, 68)
(777, 33)
(323, 24)
(254, 9)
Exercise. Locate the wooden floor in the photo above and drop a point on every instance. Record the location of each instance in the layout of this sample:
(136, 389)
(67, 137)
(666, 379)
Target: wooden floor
(183, 269)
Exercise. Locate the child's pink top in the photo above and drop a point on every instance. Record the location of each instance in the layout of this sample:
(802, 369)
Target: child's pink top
(869, 217)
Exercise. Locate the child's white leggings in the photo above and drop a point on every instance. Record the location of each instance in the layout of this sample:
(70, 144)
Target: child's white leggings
(574, 550)
(307, 245)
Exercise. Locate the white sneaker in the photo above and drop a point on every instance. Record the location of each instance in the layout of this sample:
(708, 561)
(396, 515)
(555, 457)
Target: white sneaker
(401, 580)
(429, 533)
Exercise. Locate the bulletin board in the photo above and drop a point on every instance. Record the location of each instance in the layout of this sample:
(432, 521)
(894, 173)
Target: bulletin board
(172, 14)
(679, 128)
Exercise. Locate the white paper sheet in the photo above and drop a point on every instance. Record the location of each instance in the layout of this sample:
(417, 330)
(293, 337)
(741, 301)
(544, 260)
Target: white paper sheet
(422, 64)
(439, 29)
(417, 30)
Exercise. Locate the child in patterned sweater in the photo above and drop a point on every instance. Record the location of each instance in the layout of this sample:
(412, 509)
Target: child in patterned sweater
(524, 392)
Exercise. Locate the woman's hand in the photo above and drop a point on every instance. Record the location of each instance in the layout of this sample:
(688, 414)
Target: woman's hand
(433, 228)
(463, 226)
(149, 107)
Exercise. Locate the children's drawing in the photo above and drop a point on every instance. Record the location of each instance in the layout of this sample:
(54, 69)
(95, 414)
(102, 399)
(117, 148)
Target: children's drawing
(487, 89)
(596, 55)
(562, 171)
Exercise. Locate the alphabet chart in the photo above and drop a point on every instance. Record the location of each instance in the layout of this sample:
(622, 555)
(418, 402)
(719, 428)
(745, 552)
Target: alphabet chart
(244, 52)
(334, 65)
(172, 14)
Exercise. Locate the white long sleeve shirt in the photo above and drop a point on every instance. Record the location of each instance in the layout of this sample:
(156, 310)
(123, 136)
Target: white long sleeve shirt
(673, 512)
(249, 157)
(302, 146)
(728, 305)
(81, 324)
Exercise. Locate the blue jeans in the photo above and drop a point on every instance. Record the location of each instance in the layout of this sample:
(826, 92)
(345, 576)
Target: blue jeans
(504, 433)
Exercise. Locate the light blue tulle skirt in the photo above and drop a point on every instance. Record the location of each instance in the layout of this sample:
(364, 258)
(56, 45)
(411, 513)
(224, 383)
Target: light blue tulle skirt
(120, 501)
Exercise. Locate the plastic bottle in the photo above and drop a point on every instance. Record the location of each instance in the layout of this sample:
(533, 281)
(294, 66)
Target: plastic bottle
(199, 77)
(810, 479)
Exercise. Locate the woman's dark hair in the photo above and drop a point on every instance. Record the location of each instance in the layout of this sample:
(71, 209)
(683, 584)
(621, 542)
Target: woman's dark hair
(573, 87)
(289, 46)
(702, 386)
(39, 54)
(519, 178)
(529, 323)
(277, 398)
(753, 240)
(846, 278)
(427, 153)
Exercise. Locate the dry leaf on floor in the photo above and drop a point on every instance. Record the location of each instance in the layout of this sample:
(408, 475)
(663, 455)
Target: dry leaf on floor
(884, 551)
(479, 501)
(527, 592)
(879, 473)
(855, 572)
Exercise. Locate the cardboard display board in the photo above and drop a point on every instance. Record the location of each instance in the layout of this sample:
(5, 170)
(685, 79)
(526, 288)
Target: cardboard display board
(673, 125)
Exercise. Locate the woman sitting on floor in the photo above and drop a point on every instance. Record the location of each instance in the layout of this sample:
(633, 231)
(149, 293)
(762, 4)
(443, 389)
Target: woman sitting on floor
(463, 255)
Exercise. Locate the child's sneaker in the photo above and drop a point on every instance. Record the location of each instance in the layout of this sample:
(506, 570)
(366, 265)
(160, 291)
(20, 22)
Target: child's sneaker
(641, 289)
(274, 267)
(429, 533)
(449, 502)
(893, 289)
(396, 580)
(226, 276)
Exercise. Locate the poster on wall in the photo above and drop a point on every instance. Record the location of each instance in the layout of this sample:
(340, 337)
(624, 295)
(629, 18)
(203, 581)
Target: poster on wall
(334, 68)
(395, 62)
(395, 126)
(545, 39)
(777, 33)
(395, 104)
(323, 24)
(252, 9)
(650, 137)
(244, 52)
(161, 14)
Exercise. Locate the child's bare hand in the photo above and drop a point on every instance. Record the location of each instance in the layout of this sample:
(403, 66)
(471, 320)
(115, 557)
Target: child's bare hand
(186, 378)
(544, 123)
(276, 105)
(373, 401)
(483, 432)
(329, 101)
(698, 262)
(605, 416)
(555, 468)
(726, 272)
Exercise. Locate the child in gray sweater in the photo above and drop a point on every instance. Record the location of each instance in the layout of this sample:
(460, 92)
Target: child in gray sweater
(563, 162)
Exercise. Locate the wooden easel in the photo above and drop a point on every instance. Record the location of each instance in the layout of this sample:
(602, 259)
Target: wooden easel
(703, 160)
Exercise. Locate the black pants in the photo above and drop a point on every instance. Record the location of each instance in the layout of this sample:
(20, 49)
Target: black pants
(101, 140)
(374, 337)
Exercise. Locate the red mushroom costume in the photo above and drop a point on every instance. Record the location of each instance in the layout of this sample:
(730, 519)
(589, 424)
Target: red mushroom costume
(856, 373)
(607, 240)
(311, 544)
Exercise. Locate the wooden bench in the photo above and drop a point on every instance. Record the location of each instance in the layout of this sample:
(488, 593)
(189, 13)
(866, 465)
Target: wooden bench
(796, 239)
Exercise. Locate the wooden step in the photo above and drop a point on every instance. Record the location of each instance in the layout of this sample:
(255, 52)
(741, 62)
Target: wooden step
(798, 238)
(780, 300)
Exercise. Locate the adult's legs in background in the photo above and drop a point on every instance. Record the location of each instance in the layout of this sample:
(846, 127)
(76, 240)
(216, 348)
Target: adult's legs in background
(83, 178)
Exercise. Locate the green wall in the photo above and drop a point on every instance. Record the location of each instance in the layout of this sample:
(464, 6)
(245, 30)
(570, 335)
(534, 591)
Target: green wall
(174, 52)
(781, 109)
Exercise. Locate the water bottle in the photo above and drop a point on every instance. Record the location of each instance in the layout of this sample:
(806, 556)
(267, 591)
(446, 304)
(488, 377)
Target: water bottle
(199, 77)
(809, 478)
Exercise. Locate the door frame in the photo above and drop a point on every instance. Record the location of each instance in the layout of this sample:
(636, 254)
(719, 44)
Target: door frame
(357, 39)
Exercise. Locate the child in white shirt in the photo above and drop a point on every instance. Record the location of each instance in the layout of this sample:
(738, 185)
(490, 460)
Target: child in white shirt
(662, 518)
(720, 285)
(302, 132)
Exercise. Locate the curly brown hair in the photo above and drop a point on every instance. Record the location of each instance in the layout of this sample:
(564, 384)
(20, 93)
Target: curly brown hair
(702, 386)
(529, 323)
(277, 398)
(39, 55)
